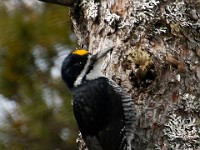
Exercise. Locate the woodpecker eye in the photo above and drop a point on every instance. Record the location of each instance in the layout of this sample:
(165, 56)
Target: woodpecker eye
(79, 64)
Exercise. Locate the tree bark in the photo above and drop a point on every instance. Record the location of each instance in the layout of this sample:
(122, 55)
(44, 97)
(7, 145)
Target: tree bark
(156, 59)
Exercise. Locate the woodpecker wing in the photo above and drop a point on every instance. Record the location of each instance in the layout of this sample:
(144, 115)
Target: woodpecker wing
(99, 111)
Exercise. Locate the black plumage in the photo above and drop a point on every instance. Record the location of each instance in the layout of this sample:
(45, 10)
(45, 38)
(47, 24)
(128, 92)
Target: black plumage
(71, 68)
(99, 113)
(104, 112)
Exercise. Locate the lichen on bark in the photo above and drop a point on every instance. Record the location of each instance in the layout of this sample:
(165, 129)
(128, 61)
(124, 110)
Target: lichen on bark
(168, 32)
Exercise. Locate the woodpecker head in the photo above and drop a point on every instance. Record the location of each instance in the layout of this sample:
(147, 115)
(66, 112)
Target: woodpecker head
(80, 66)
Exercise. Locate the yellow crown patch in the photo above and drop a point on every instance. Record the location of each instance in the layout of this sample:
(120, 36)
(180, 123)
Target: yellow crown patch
(80, 52)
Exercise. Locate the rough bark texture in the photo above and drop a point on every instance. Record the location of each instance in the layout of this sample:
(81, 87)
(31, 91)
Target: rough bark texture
(156, 59)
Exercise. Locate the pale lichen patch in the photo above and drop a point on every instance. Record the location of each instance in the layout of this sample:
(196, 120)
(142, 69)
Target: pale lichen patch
(111, 17)
(189, 103)
(182, 133)
(90, 9)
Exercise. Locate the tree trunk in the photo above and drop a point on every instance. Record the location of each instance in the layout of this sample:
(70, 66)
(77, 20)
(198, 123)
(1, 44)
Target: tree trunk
(156, 58)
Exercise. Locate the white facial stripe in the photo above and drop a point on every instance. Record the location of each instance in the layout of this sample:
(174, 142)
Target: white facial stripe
(96, 71)
(83, 73)
(93, 74)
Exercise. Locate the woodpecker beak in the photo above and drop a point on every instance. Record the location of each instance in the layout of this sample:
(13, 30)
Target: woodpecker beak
(101, 54)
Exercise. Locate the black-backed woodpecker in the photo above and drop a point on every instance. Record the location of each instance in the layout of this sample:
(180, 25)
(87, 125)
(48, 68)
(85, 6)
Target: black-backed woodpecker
(104, 112)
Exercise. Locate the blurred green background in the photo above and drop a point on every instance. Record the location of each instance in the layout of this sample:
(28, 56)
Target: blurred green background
(35, 105)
